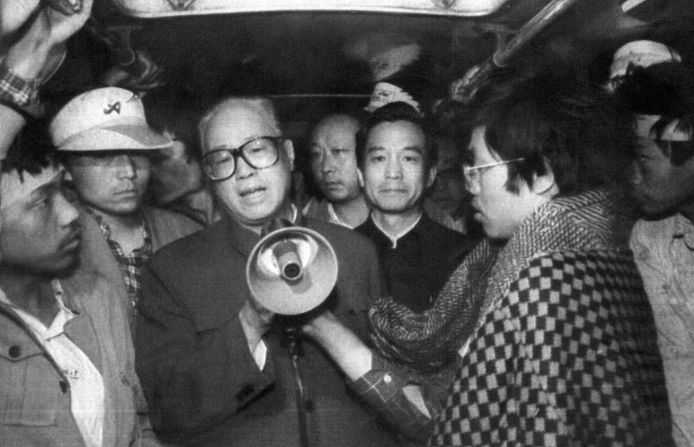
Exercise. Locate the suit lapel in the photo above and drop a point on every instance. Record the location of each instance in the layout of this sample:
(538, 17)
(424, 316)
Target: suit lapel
(241, 239)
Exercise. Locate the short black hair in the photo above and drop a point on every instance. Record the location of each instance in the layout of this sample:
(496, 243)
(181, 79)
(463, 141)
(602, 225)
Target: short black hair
(553, 118)
(390, 113)
(665, 89)
(32, 152)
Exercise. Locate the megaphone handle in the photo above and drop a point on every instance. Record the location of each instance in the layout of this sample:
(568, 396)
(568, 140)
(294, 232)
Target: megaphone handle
(301, 404)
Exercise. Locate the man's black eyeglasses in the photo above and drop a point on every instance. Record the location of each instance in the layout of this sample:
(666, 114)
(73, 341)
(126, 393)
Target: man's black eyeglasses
(259, 153)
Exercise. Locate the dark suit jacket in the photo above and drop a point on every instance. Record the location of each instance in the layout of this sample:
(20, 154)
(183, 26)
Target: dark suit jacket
(199, 377)
(415, 271)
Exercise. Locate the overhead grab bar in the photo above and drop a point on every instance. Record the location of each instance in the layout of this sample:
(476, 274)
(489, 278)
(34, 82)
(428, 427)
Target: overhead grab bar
(463, 90)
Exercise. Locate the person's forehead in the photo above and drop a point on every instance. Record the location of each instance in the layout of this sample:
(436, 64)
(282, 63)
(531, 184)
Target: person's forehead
(236, 124)
(404, 133)
(333, 123)
(335, 133)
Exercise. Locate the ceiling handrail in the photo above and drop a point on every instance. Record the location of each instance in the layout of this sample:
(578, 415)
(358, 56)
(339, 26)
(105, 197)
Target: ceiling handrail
(464, 89)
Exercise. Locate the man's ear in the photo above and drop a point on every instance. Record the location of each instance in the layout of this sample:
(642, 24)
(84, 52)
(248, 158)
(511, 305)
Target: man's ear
(360, 178)
(431, 177)
(545, 184)
(289, 151)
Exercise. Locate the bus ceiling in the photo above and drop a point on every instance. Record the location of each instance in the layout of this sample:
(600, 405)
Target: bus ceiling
(299, 47)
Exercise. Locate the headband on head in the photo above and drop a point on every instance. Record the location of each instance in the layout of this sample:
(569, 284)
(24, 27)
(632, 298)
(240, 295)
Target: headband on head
(641, 53)
(14, 187)
(644, 129)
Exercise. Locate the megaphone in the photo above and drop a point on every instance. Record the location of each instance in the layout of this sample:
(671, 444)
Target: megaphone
(291, 270)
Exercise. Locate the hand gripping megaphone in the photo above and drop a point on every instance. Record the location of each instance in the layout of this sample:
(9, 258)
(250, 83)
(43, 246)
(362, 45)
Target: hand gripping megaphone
(291, 270)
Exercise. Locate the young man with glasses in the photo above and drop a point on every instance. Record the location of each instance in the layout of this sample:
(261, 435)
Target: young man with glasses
(555, 341)
(105, 142)
(498, 209)
(215, 369)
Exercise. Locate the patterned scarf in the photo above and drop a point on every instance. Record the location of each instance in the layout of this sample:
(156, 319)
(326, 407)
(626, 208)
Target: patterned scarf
(431, 340)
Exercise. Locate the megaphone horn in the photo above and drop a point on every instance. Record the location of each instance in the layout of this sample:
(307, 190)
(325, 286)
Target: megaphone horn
(291, 270)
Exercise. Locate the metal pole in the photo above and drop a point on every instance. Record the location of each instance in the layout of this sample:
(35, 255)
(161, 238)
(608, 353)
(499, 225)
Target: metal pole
(463, 90)
(292, 334)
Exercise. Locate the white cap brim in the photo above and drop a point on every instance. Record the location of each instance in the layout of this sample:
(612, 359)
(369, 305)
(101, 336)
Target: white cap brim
(113, 138)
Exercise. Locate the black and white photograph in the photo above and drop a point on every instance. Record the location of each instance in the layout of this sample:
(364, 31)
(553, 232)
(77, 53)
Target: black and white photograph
(346, 223)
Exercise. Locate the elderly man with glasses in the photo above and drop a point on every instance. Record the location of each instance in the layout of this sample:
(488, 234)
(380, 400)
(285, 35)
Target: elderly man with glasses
(215, 368)
(548, 319)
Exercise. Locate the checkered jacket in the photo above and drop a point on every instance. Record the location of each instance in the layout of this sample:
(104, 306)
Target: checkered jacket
(564, 352)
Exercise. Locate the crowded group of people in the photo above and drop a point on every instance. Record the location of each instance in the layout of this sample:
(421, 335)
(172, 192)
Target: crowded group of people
(127, 317)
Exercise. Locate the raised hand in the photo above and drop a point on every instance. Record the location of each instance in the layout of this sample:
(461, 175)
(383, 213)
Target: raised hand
(56, 25)
(44, 29)
(14, 14)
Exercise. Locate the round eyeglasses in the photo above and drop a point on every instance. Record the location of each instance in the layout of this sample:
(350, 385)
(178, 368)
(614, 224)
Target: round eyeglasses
(473, 173)
(259, 153)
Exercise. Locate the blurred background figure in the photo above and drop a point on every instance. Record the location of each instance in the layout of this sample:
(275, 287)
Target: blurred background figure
(176, 180)
(448, 202)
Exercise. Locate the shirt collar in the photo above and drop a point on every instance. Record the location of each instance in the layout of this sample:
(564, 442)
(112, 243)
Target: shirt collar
(106, 229)
(394, 238)
(334, 218)
(57, 325)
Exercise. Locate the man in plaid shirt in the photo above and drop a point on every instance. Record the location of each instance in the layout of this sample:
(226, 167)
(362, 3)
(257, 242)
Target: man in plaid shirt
(560, 347)
(130, 263)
